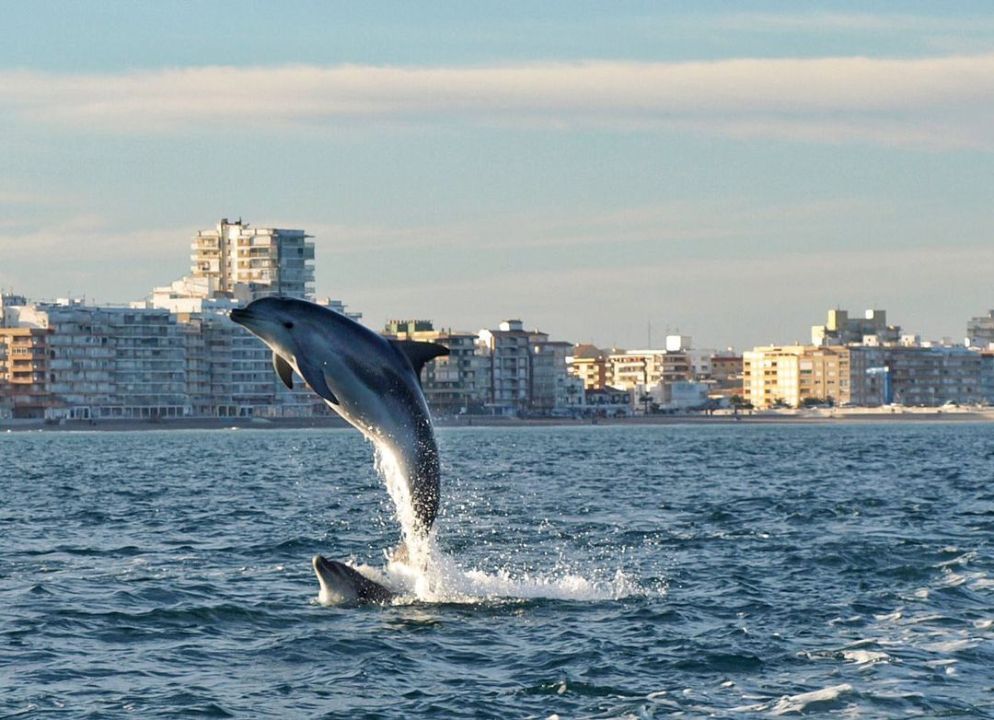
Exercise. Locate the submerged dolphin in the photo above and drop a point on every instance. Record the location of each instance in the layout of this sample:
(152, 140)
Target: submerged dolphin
(369, 380)
(342, 584)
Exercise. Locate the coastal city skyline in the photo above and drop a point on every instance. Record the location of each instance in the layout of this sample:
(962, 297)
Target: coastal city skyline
(181, 353)
(655, 335)
(727, 173)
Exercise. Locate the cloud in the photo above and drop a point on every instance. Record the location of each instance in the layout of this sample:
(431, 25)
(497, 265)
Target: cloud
(753, 300)
(86, 253)
(931, 102)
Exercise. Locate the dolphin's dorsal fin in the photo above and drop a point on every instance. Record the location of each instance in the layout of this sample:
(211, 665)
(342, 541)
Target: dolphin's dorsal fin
(419, 352)
(283, 369)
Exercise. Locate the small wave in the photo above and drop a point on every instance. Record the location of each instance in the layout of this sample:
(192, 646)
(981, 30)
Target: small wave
(865, 657)
(951, 646)
(803, 701)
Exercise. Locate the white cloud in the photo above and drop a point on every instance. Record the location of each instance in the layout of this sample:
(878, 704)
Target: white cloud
(932, 102)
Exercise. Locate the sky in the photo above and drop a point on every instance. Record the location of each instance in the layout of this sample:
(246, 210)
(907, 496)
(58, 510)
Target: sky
(606, 172)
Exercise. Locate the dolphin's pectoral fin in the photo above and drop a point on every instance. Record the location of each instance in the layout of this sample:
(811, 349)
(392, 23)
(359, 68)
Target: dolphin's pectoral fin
(283, 369)
(419, 352)
(314, 376)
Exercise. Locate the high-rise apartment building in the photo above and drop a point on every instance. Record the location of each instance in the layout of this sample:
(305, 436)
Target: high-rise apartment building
(249, 263)
(526, 372)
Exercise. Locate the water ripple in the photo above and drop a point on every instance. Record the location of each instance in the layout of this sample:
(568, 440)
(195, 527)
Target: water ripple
(618, 572)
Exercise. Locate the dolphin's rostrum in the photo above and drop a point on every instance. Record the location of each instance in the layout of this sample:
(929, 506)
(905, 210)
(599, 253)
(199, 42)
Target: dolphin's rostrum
(342, 584)
(372, 382)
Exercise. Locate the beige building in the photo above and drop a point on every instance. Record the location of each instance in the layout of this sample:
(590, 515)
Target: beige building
(789, 375)
(24, 371)
(589, 364)
(841, 329)
(792, 374)
(725, 379)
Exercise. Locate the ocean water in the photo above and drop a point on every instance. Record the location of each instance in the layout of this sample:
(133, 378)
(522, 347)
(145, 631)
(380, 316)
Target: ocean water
(585, 572)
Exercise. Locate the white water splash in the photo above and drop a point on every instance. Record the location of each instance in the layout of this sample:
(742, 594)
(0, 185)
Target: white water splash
(799, 703)
(425, 573)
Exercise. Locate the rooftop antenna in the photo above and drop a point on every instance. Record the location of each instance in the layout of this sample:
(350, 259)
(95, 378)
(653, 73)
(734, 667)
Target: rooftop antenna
(649, 346)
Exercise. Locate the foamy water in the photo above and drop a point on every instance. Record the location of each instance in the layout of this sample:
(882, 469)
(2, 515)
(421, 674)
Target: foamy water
(426, 573)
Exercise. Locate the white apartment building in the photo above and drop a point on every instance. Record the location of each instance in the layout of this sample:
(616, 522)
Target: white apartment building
(249, 263)
(632, 368)
(110, 362)
(553, 390)
(176, 354)
(526, 372)
(508, 351)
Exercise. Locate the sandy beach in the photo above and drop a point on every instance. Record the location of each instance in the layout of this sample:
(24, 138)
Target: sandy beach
(806, 416)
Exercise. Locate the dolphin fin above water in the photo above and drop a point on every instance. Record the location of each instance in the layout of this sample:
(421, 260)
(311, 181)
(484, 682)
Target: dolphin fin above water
(283, 369)
(341, 584)
(418, 353)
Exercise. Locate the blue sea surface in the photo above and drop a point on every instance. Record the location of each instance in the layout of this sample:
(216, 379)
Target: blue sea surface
(599, 572)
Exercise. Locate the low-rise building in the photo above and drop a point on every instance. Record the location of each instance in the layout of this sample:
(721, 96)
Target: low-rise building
(933, 376)
(987, 377)
(726, 376)
(608, 402)
(590, 365)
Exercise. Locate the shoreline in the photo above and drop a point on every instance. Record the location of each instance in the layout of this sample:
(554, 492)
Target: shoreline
(791, 417)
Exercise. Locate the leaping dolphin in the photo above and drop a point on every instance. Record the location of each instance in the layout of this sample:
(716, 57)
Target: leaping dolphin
(372, 382)
(369, 380)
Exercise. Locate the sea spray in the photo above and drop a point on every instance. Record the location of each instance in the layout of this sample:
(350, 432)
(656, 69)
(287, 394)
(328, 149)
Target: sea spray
(424, 572)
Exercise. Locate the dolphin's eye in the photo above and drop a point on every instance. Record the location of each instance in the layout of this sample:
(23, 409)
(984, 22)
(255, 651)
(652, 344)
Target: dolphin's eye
(288, 325)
